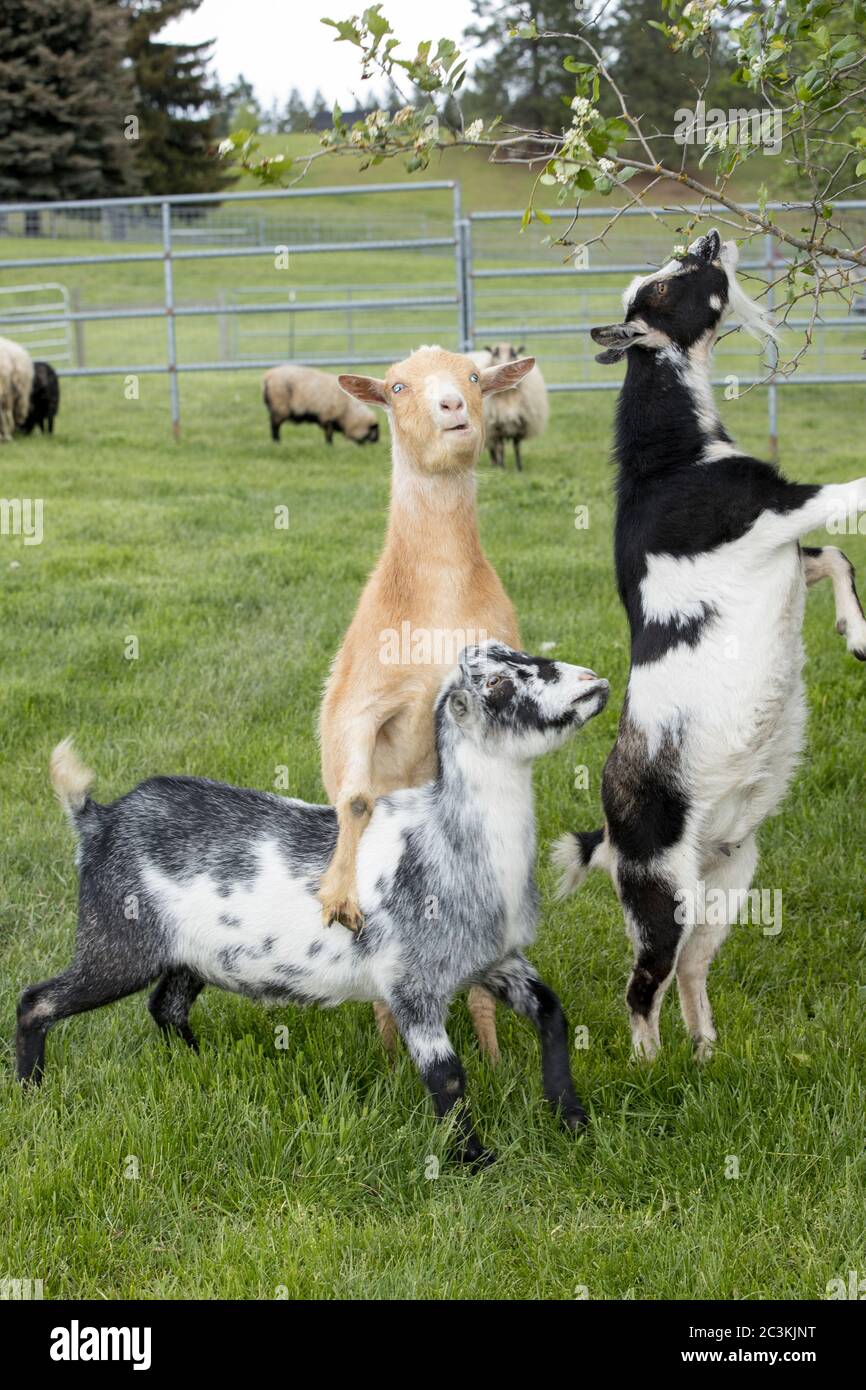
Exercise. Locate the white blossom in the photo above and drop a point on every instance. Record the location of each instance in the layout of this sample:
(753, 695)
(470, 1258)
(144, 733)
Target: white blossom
(473, 132)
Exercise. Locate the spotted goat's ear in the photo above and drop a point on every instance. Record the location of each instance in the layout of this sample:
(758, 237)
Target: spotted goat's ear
(460, 706)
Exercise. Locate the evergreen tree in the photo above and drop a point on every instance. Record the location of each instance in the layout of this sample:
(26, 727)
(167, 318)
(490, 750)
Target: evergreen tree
(65, 96)
(524, 82)
(296, 117)
(240, 108)
(176, 101)
(656, 82)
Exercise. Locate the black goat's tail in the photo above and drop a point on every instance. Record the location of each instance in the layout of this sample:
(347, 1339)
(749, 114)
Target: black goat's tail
(574, 855)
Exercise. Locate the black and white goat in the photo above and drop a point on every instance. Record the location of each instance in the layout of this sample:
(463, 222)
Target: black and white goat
(191, 882)
(713, 582)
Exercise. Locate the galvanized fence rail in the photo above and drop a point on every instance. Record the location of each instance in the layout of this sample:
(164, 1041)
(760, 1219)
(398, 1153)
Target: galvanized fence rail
(493, 294)
(169, 256)
(480, 273)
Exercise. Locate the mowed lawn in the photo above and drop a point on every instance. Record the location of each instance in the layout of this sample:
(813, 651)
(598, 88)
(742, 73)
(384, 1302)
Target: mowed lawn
(256, 1171)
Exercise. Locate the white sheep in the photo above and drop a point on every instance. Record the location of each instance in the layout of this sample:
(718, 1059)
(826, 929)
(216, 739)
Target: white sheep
(518, 414)
(309, 397)
(16, 384)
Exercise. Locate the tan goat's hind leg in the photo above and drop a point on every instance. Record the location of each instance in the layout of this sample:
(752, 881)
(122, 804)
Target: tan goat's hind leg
(387, 1026)
(482, 1007)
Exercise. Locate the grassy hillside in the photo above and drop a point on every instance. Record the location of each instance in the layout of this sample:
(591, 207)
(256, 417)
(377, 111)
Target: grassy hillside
(141, 1170)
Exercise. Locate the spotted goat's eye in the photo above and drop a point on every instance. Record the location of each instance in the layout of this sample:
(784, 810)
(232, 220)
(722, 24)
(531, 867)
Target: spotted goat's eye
(494, 680)
(398, 386)
(473, 376)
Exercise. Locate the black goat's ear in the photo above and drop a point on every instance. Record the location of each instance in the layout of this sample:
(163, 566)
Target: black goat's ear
(612, 355)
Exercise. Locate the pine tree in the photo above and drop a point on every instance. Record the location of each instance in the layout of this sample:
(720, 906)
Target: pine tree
(524, 82)
(656, 82)
(176, 102)
(64, 99)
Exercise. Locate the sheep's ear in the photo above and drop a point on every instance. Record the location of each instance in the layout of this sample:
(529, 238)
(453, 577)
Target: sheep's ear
(364, 388)
(505, 375)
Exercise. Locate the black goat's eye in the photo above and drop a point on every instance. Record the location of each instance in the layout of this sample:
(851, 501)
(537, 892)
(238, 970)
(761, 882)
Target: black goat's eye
(661, 289)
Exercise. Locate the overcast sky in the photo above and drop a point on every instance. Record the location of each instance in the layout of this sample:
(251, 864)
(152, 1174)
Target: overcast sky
(280, 44)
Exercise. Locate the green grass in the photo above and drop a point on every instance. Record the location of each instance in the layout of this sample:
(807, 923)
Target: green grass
(304, 1168)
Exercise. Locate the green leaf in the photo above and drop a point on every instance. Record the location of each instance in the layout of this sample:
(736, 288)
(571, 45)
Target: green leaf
(376, 22)
(346, 31)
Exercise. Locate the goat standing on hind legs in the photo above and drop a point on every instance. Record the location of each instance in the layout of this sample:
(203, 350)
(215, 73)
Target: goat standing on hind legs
(713, 579)
(432, 592)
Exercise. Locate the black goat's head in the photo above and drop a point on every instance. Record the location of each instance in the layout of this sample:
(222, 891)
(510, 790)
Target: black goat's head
(684, 303)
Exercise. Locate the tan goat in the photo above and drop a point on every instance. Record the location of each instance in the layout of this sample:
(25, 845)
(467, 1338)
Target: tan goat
(432, 592)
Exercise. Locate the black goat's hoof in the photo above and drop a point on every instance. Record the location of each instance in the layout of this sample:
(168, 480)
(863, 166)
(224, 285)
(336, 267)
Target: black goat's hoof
(474, 1157)
(575, 1118)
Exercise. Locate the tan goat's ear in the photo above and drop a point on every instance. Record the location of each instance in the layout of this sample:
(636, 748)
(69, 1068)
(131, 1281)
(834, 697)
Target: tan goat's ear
(364, 388)
(505, 375)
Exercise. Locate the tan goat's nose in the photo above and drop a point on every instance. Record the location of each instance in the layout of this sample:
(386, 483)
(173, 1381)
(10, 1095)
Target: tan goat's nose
(451, 402)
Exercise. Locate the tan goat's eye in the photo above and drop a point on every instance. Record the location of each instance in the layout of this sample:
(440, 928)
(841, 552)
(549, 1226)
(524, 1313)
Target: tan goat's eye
(398, 386)
(473, 376)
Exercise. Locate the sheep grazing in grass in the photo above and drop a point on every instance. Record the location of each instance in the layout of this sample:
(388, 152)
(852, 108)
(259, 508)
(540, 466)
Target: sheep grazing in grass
(16, 384)
(307, 397)
(224, 885)
(44, 399)
(514, 415)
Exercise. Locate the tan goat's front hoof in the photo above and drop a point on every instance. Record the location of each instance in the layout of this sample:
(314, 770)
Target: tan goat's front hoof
(344, 910)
